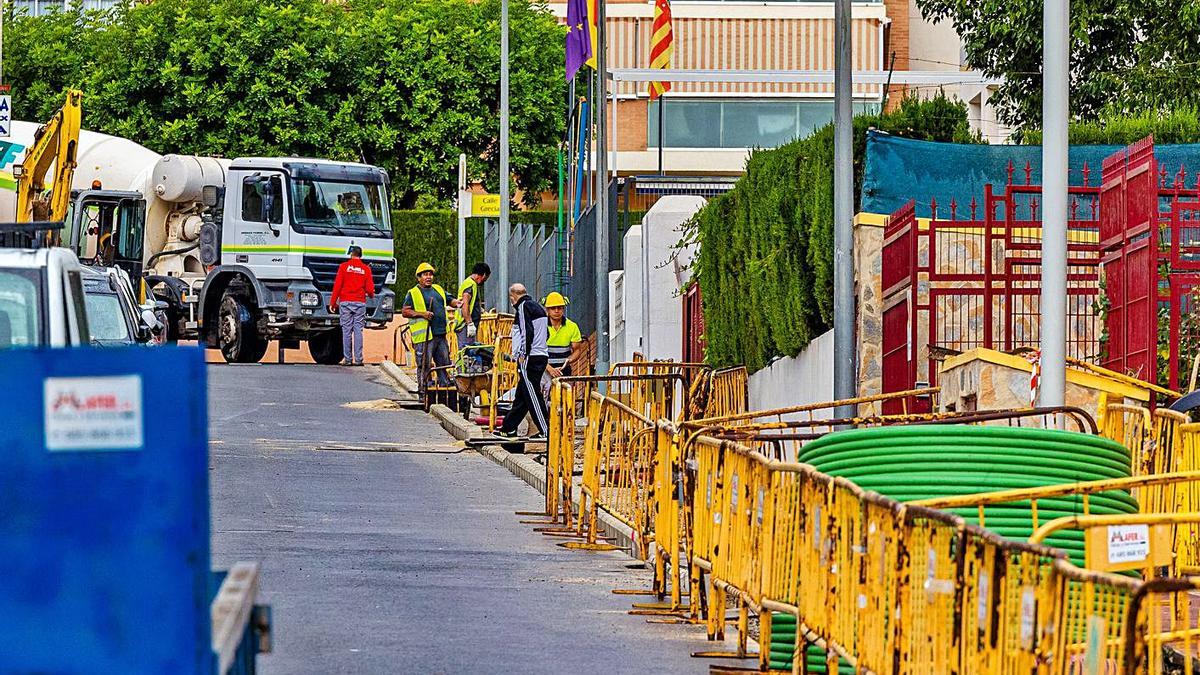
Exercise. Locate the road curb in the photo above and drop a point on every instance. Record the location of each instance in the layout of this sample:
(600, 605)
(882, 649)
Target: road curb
(403, 380)
(454, 424)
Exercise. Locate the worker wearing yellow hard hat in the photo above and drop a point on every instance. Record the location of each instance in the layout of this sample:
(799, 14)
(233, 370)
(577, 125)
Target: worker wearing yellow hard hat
(565, 345)
(426, 308)
(470, 304)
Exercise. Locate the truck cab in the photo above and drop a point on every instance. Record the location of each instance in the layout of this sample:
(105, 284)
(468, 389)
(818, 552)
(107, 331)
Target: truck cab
(286, 226)
(41, 299)
(107, 228)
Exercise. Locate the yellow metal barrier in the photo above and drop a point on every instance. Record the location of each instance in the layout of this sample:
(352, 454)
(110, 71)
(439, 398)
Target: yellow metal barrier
(729, 393)
(504, 376)
(617, 469)
(886, 587)
(492, 325)
(1142, 542)
(621, 453)
(560, 453)
(1081, 617)
(1186, 497)
(1151, 487)
(1132, 427)
(1160, 633)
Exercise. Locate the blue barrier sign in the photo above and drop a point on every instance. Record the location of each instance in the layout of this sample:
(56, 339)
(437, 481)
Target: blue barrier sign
(104, 519)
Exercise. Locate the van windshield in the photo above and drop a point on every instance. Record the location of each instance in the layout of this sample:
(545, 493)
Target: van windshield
(340, 208)
(20, 308)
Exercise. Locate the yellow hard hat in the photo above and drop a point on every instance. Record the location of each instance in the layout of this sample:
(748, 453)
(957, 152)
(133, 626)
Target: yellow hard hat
(424, 267)
(555, 299)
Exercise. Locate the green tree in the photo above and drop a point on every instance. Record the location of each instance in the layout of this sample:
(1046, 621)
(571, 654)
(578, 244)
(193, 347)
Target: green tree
(1125, 56)
(406, 85)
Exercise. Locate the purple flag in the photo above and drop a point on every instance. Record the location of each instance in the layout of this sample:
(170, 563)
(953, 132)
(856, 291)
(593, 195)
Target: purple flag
(579, 46)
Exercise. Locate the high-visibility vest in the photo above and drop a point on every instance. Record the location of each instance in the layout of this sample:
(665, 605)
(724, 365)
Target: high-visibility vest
(418, 327)
(467, 284)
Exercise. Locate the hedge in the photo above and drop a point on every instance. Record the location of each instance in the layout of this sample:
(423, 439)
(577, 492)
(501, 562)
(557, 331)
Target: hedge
(1112, 128)
(432, 236)
(765, 265)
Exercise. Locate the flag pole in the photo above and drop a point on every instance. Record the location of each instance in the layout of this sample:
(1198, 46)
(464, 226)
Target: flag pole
(602, 346)
(662, 104)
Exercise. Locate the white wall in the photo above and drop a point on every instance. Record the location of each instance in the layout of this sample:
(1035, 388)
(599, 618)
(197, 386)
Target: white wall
(632, 295)
(616, 316)
(937, 46)
(808, 378)
(667, 275)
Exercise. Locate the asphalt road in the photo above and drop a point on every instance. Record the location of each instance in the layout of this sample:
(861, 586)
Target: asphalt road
(408, 561)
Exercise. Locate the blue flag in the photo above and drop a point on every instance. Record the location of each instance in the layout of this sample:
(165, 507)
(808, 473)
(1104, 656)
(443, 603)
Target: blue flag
(579, 43)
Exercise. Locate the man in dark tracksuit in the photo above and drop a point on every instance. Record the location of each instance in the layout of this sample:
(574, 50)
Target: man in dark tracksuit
(529, 333)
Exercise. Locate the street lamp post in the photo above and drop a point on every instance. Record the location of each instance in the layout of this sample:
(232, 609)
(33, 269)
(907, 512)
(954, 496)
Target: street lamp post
(502, 267)
(1055, 108)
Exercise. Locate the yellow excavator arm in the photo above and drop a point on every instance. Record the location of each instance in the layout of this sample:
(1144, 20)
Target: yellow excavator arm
(55, 143)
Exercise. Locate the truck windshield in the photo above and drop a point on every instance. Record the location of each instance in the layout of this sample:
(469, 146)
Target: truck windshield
(340, 208)
(20, 308)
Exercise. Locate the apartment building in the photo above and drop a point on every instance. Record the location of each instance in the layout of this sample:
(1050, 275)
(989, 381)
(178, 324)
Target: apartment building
(709, 128)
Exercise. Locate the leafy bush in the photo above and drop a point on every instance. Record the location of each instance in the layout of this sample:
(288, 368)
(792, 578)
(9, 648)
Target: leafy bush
(765, 266)
(1181, 125)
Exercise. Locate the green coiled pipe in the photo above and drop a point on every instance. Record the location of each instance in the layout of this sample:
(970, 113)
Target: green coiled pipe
(915, 462)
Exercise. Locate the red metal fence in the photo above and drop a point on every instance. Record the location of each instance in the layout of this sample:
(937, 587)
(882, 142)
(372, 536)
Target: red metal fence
(1150, 234)
(693, 325)
(951, 284)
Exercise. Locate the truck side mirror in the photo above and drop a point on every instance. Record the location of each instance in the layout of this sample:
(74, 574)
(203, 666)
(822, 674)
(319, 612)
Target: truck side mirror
(269, 215)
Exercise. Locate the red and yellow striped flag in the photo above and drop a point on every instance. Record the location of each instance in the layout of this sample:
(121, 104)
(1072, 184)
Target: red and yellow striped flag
(662, 43)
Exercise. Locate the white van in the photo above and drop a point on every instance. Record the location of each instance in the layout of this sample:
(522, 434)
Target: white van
(41, 299)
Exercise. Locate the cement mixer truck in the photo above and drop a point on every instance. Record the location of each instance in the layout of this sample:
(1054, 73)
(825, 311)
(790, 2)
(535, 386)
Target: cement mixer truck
(246, 251)
(243, 251)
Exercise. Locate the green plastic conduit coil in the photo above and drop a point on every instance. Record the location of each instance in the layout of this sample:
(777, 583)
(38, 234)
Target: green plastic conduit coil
(783, 645)
(910, 463)
(923, 461)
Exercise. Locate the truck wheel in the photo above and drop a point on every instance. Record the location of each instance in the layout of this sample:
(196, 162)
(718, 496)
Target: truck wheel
(240, 341)
(326, 348)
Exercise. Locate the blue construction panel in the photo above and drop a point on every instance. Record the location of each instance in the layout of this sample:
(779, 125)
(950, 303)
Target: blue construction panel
(104, 536)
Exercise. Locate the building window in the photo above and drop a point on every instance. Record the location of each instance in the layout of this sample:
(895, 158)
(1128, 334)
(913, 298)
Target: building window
(41, 7)
(740, 123)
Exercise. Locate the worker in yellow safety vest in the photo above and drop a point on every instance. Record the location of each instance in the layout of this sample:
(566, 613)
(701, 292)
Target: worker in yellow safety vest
(470, 304)
(565, 344)
(426, 309)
